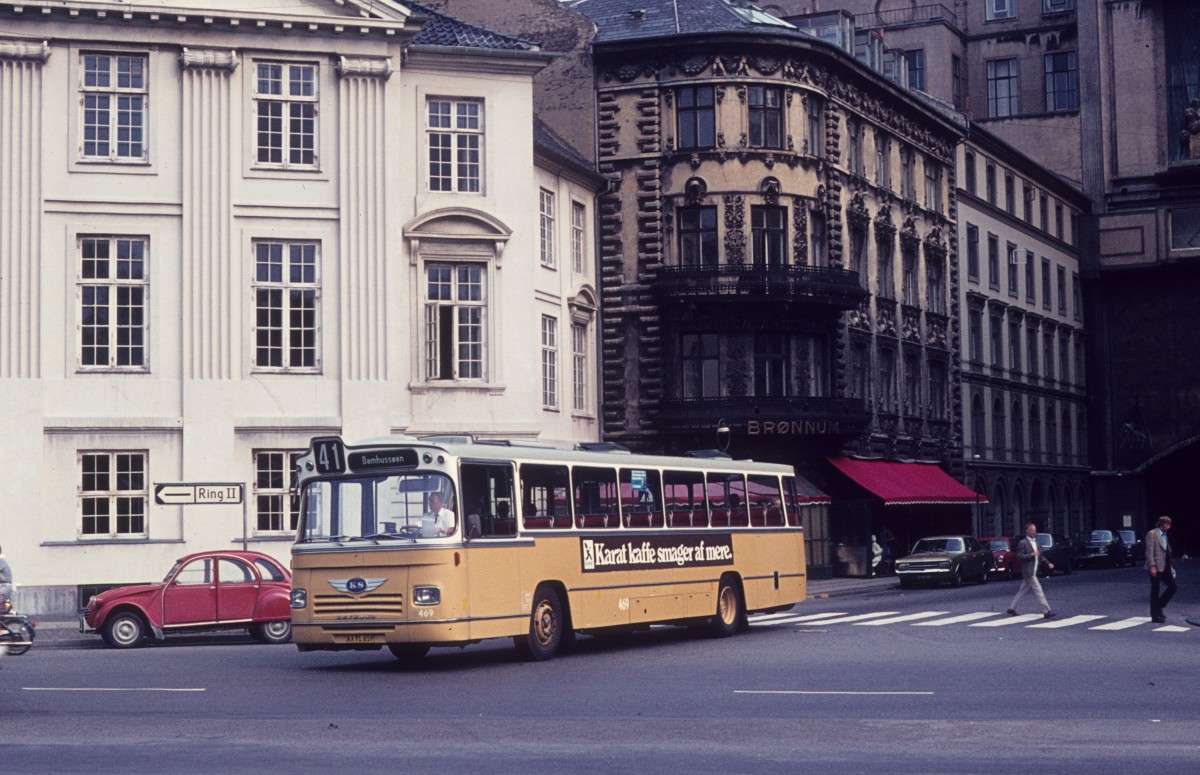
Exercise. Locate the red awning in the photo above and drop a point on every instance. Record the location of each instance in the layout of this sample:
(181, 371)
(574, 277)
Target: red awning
(807, 492)
(902, 484)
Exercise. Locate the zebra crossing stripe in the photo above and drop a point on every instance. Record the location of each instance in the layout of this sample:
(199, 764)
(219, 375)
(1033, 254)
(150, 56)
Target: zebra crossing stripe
(1070, 621)
(813, 618)
(898, 619)
(858, 617)
(1124, 624)
(1022, 619)
(957, 619)
(1171, 628)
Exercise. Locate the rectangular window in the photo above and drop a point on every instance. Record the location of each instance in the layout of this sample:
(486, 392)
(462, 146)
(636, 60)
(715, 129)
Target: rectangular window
(858, 250)
(454, 132)
(933, 185)
(771, 365)
(912, 385)
(1062, 290)
(907, 173)
(909, 289)
(698, 236)
(285, 109)
(883, 160)
(956, 80)
(765, 117)
(937, 390)
(996, 331)
(993, 246)
(975, 335)
(1031, 350)
(1001, 9)
(455, 334)
(1064, 358)
(817, 253)
(696, 116)
(1030, 285)
(579, 367)
(854, 134)
(816, 122)
(578, 236)
(887, 381)
(1079, 375)
(1061, 90)
(700, 358)
(114, 95)
(1030, 194)
(916, 68)
(1076, 296)
(1014, 258)
(275, 509)
(885, 250)
(113, 493)
(860, 362)
(287, 297)
(549, 362)
(1057, 6)
(1002, 88)
(546, 226)
(989, 176)
(1010, 195)
(114, 304)
(768, 235)
(935, 285)
(1014, 346)
(969, 172)
(1058, 221)
(972, 252)
(1043, 211)
(1046, 284)
(1048, 354)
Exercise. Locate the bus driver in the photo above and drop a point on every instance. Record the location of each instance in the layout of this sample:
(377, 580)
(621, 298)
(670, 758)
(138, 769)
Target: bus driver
(443, 518)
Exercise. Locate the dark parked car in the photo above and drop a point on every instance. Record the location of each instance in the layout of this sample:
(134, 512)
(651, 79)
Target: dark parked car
(206, 591)
(1004, 560)
(1102, 547)
(945, 558)
(1136, 546)
(1055, 549)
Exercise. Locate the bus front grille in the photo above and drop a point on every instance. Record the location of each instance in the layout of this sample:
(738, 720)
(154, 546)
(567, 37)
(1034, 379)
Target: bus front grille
(369, 605)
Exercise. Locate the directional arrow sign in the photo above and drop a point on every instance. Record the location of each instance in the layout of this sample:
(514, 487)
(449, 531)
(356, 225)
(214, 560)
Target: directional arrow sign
(197, 493)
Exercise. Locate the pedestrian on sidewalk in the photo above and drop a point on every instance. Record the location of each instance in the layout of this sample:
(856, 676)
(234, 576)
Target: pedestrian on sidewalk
(1029, 556)
(1158, 562)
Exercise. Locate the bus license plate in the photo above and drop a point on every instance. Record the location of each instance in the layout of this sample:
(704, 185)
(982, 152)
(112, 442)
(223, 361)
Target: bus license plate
(362, 638)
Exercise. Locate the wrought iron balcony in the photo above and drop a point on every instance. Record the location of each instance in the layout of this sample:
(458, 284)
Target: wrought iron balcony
(765, 416)
(823, 285)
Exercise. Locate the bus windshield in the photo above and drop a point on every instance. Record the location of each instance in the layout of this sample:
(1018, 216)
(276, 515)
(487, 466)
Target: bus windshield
(379, 508)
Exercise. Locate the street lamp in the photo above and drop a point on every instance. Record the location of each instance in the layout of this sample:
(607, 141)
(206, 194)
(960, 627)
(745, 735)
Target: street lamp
(722, 435)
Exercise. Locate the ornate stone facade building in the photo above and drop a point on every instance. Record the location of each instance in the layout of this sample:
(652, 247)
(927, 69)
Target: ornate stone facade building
(778, 250)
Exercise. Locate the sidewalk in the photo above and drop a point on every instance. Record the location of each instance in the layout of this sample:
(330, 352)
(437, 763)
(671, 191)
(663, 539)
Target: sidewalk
(837, 587)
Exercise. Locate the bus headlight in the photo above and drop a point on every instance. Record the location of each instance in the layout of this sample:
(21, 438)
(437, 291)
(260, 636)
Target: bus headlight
(426, 595)
(299, 598)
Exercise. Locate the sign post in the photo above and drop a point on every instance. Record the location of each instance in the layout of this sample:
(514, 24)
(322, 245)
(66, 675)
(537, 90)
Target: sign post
(203, 494)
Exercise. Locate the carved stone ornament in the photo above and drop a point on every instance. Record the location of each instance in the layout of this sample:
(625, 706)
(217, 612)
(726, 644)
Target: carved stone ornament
(735, 235)
(1189, 135)
(770, 188)
(911, 327)
(885, 230)
(208, 59)
(25, 49)
(886, 320)
(767, 65)
(856, 212)
(909, 239)
(695, 65)
(365, 67)
(730, 66)
(694, 191)
(935, 245)
(799, 231)
(861, 317)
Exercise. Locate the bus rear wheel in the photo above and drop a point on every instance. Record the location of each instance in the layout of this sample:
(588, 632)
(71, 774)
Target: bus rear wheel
(730, 611)
(408, 652)
(546, 625)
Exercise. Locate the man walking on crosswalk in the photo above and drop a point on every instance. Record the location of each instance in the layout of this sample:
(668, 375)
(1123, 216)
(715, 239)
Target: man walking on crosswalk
(1030, 555)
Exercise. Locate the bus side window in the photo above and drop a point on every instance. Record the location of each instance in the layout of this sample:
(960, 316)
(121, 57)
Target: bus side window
(765, 501)
(790, 499)
(487, 492)
(641, 497)
(595, 497)
(684, 497)
(545, 492)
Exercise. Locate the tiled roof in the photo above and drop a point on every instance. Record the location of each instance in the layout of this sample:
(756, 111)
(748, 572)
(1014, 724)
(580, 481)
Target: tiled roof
(546, 139)
(618, 20)
(443, 30)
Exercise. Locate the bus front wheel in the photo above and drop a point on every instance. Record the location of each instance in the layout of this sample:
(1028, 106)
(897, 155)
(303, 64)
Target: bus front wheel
(546, 624)
(730, 611)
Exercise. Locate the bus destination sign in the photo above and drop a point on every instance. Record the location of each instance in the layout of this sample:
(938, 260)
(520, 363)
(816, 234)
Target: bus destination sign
(603, 554)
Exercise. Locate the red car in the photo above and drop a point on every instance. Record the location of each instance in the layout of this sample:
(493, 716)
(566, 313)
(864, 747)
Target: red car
(218, 590)
(1004, 563)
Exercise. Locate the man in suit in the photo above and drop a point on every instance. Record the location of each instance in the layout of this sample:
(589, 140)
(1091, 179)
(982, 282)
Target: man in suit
(1158, 562)
(1030, 555)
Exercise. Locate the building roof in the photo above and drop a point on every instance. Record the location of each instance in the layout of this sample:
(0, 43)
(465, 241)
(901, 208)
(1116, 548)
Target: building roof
(619, 20)
(443, 30)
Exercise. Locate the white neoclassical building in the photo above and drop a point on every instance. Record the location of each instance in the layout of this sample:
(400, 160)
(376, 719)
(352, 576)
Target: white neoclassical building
(226, 229)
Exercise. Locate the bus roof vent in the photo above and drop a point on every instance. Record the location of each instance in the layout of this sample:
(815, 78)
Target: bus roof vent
(711, 454)
(516, 443)
(449, 438)
(603, 446)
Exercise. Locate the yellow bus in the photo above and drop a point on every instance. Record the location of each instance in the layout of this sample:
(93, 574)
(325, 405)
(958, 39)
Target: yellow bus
(412, 542)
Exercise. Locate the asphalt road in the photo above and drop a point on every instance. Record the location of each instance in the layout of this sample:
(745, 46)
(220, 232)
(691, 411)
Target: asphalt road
(904, 681)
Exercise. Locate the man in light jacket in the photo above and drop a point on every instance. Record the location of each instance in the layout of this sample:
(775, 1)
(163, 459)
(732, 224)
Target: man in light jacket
(1030, 555)
(1158, 563)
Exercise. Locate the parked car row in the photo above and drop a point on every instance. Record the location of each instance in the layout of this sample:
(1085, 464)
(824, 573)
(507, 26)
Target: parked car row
(957, 558)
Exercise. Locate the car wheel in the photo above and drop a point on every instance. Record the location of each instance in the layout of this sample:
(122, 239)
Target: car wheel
(545, 626)
(125, 631)
(408, 652)
(730, 611)
(272, 632)
(956, 578)
(983, 575)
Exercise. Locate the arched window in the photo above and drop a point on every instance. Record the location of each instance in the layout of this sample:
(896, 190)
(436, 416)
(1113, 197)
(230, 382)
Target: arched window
(1035, 432)
(1001, 450)
(1018, 432)
(978, 426)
